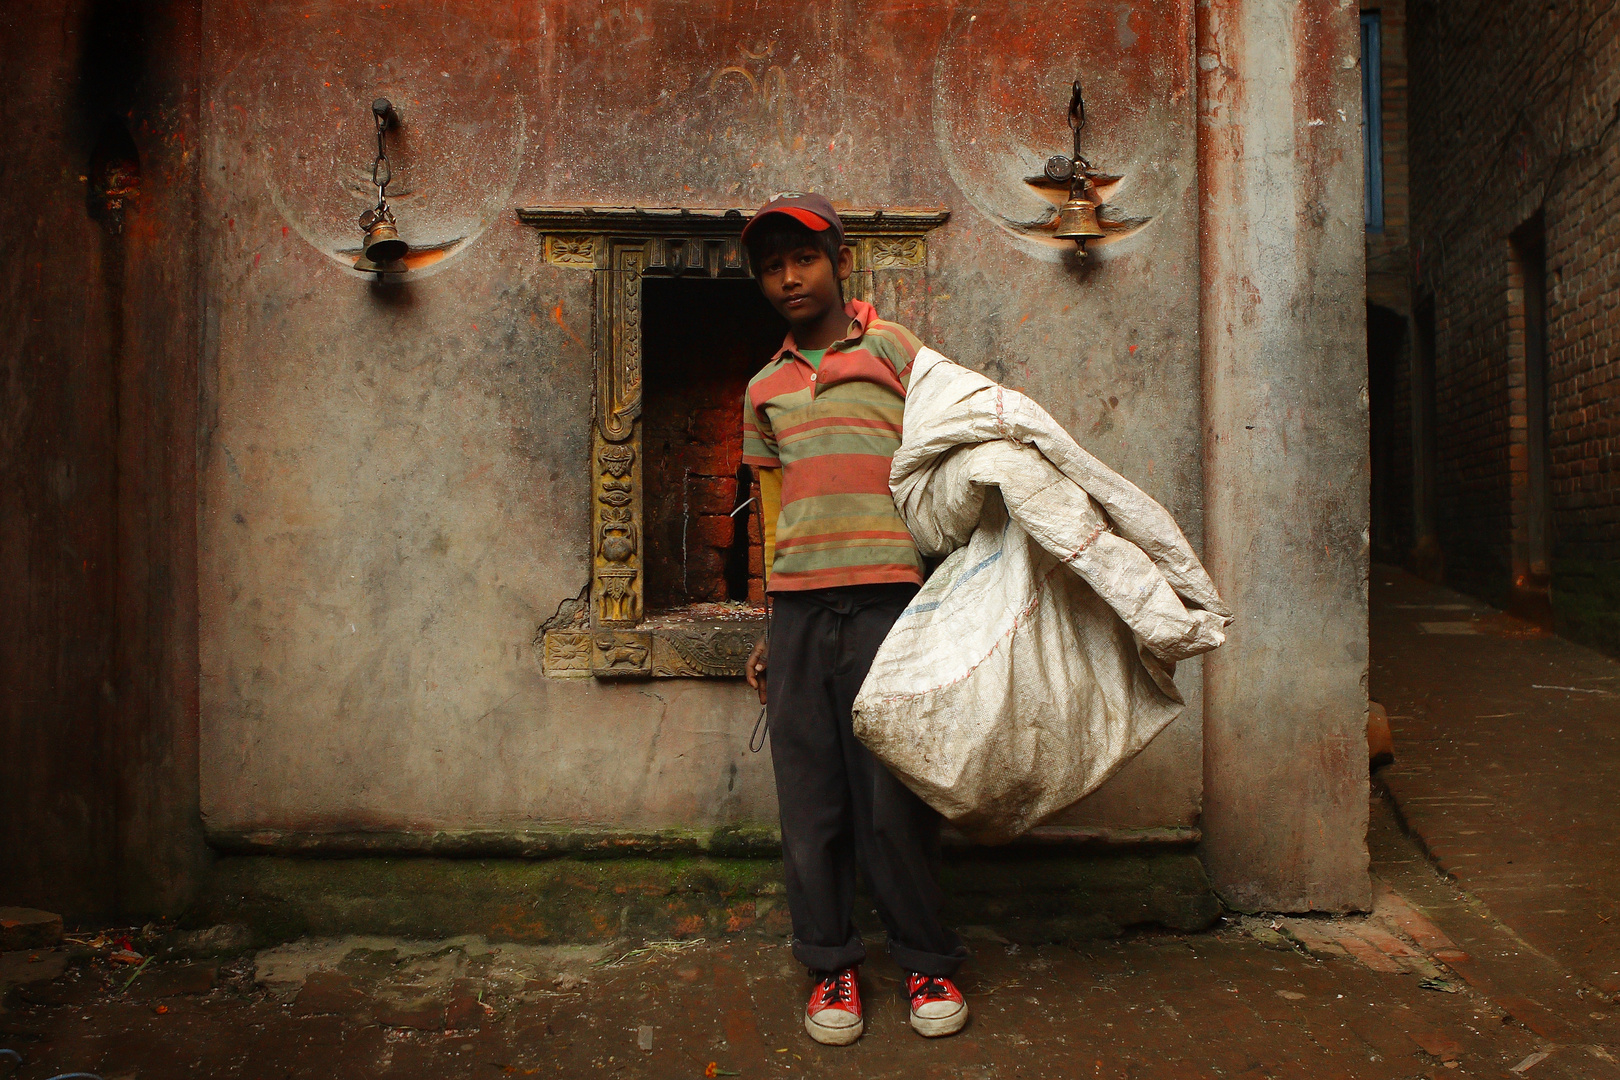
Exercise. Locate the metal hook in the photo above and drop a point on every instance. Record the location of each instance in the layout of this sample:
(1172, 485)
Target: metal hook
(382, 172)
(1077, 121)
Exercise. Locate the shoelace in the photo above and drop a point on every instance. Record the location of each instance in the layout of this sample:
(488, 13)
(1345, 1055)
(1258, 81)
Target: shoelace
(932, 990)
(838, 987)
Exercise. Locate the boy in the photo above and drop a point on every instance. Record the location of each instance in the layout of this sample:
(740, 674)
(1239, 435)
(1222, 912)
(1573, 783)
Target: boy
(821, 422)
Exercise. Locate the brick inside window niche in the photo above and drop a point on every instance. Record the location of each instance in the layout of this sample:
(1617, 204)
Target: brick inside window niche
(702, 339)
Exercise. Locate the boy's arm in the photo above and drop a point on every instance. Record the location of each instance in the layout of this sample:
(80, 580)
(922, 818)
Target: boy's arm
(759, 451)
(770, 506)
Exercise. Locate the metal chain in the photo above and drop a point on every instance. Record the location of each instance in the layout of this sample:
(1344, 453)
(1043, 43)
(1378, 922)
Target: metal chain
(381, 171)
(1077, 121)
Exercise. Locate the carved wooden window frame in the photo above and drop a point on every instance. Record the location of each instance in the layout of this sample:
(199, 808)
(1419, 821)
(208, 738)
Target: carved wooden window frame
(620, 246)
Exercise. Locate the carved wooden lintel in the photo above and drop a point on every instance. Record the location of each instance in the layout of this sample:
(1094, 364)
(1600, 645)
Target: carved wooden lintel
(711, 649)
(896, 252)
(642, 221)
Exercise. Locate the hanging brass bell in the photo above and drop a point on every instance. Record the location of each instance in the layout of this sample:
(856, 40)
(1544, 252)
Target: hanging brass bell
(383, 248)
(383, 244)
(1077, 221)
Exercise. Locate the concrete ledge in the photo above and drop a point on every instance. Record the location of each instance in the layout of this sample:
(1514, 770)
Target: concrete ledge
(28, 928)
(543, 843)
(1022, 896)
(731, 842)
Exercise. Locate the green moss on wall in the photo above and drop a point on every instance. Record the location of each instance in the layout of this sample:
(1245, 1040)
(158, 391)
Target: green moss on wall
(1030, 898)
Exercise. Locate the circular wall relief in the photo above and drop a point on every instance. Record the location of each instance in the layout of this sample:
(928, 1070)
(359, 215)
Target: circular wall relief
(1001, 87)
(454, 156)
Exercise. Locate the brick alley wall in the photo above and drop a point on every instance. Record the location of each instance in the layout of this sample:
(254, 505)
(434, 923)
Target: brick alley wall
(1387, 257)
(1389, 304)
(1514, 112)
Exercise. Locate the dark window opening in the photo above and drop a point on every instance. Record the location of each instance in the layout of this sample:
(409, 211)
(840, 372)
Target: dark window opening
(702, 339)
(738, 555)
(1390, 493)
(1372, 120)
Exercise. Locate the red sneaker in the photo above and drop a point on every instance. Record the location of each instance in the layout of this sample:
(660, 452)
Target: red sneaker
(937, 1006)
(833, 1016)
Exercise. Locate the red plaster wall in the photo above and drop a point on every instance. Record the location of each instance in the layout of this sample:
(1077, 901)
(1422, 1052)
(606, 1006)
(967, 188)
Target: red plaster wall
(394, 497)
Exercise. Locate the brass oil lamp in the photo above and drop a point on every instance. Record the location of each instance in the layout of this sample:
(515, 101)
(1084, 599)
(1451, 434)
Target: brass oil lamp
(384, 251)
(1077, 217)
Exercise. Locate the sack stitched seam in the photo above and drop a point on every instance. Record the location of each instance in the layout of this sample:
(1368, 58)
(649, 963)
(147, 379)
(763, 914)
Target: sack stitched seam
(1086, 543)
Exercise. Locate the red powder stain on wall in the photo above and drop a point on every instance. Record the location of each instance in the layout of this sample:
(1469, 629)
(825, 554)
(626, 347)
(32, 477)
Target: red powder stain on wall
(557, 317)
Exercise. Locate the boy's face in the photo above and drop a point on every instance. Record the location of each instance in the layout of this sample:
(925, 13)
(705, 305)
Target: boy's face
(802, 284)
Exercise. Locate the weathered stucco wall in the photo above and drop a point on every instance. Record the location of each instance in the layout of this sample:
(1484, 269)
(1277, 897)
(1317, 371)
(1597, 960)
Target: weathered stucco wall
(394, 486)
(1286, 444)
(390, 483)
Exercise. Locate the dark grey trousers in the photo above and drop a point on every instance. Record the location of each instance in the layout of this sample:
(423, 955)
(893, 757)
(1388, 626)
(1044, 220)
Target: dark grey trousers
(839, 805)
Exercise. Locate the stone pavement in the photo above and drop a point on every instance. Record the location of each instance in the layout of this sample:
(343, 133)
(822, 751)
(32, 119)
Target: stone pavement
(1357, 997)
(1488, 952)
(1507, 762)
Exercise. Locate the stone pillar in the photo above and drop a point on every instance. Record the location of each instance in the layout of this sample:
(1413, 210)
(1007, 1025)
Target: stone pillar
(1286, 467)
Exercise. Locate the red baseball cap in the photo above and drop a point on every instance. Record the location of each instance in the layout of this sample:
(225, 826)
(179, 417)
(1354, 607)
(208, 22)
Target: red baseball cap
(812, 211)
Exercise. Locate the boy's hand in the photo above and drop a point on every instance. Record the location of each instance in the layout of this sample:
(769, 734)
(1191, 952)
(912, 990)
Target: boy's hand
(754, 669)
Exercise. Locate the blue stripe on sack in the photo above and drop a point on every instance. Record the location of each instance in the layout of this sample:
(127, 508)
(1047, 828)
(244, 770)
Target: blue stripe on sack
(920, 609)
(959, 582)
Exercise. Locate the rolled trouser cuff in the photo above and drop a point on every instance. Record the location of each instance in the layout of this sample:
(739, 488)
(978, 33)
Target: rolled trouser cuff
(830, 957)
(934, 965)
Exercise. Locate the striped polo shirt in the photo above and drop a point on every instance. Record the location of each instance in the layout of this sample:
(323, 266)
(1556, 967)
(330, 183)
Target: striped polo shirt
(833, 429)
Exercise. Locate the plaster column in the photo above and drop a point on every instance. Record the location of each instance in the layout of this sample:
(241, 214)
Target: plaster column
(1286, 468)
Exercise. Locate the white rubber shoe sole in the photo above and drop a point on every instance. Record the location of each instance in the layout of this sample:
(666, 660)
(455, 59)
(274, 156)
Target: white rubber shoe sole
(932, 1027)
(835, 1034)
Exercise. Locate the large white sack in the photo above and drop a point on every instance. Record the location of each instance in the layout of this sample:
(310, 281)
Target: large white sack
(949, 407)
(1037, 659)
(1008, 688)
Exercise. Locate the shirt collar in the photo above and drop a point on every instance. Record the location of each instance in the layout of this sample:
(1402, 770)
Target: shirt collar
(860, 315)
